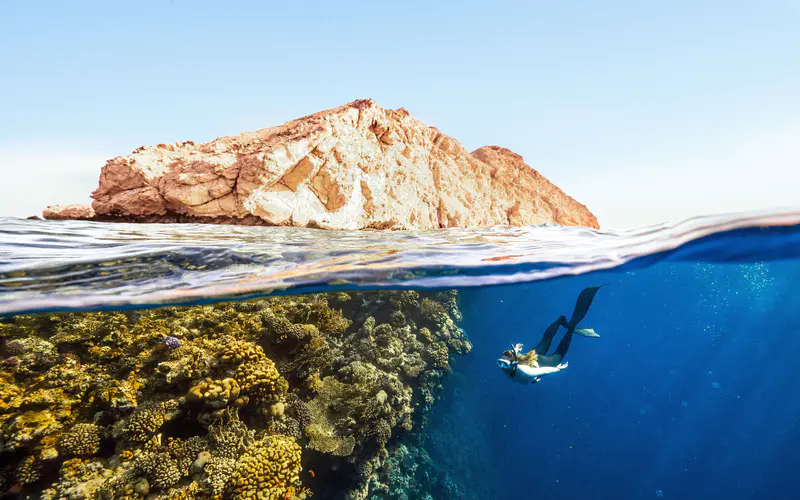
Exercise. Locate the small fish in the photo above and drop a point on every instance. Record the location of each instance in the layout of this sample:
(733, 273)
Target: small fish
(312, 473)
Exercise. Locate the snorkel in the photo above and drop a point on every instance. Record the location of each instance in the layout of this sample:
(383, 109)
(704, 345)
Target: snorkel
(515, 362)
(508, 362)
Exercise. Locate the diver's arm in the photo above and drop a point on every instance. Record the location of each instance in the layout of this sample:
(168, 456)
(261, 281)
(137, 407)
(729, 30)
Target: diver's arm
(540, 371)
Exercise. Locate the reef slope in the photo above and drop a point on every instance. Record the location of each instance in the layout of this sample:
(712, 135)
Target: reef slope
(358, 166)
(280, 398)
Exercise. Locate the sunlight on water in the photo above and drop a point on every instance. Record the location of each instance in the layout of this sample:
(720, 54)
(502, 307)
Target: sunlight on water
(83, 265)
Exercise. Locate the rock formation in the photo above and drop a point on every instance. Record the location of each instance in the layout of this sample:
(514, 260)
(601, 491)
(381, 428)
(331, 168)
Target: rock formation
(69, 212)
(353, 167)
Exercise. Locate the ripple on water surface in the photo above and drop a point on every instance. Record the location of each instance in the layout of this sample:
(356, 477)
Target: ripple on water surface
(73, 265)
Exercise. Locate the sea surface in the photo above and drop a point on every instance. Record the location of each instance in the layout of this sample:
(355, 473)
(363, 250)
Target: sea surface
(691, 391)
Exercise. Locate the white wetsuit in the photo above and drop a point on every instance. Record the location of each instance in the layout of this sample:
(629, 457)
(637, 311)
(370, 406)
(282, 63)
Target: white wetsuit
(525, 374)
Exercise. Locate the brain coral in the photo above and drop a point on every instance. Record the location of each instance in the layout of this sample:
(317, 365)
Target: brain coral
(268, 469)
(255, 373)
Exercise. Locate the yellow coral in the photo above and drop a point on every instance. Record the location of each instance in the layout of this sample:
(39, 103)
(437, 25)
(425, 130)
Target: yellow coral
(29, 427)
(81, 440)
(149, 418)
(160, 469)
(267, 469)
(256, 374)
(214, 393)
(118, 365)
(28, 471)
(314, 382)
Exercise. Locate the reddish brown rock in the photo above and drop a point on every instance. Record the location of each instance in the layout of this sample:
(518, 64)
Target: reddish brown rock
(353, 167)
(68, 212)
(543, 197)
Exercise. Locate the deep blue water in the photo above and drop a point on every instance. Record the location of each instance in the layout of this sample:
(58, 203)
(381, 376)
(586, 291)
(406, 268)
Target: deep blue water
(691, 392)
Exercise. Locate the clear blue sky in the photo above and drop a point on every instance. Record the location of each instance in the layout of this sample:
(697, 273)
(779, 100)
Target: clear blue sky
(645, 111)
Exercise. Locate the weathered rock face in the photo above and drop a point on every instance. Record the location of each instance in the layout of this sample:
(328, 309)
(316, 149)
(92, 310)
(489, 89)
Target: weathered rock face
(69, 212)
(354, 167)
(543, 197)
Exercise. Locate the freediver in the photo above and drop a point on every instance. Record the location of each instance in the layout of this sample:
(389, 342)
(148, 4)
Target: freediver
(529, 368)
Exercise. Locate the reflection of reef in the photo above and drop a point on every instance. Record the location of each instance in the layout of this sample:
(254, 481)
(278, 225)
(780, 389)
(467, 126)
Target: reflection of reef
(284, 397)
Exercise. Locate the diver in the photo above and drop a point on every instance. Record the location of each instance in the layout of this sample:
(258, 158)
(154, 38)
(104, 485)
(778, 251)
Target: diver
(529, 368)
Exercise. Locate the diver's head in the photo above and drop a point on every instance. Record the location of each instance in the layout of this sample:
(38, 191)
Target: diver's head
(505, 363)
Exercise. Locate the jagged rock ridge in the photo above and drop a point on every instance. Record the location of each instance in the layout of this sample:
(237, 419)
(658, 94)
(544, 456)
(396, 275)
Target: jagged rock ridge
(353, 167)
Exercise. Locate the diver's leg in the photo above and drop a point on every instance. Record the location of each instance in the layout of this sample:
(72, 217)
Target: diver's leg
(561, 351)
(582, 304)
(542, 347)
(547, 361)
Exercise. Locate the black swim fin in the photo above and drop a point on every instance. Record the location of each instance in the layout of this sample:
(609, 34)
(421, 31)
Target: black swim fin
(582, 305)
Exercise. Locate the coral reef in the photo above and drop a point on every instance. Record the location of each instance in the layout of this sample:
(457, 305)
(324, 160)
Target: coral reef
(81, 440)
(226, 401)
(268, 469)
(409, 473)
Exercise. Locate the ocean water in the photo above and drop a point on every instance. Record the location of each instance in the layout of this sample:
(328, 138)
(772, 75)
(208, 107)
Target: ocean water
(690, 392)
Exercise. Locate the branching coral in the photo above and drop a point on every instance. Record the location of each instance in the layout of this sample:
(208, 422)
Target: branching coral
(32, 354)
(28, 471)
(160, 469)
(230, 439)
(185, 451)
(82, 440)
(149, 418)
(218, 471)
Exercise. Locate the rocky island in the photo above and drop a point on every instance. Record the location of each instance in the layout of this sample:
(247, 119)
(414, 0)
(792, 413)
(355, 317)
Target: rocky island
(358, 166)
(323, 395)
